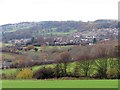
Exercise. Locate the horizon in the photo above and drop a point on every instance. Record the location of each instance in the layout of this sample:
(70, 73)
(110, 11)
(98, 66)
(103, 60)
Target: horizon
(54, 21)
(16, 11)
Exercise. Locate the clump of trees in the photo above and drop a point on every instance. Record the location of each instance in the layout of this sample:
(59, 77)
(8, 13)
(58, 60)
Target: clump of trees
(62, 60)
(44, 73)
(98, 61)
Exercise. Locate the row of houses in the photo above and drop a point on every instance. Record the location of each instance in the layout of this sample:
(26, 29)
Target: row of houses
(61, 40)
(19, 41)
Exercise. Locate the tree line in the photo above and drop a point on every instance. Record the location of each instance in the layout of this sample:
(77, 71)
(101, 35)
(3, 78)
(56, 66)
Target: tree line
(97, 61)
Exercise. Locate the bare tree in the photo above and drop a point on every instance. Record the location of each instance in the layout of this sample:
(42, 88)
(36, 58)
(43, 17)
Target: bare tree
(65, 58)
(40, 39)
(58, 67)
(85, 61)
(102, 61)
(62, 59)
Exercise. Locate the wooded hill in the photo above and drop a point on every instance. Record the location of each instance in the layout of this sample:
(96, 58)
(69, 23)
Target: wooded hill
(58, 28)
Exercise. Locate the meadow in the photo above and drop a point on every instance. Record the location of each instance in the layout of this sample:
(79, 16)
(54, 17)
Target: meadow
(60, 84)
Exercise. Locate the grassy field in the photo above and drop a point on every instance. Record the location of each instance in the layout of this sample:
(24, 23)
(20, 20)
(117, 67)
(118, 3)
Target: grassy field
(35, 68)
(60, 84)
(53, 47)
(62, 33)
(4, 44)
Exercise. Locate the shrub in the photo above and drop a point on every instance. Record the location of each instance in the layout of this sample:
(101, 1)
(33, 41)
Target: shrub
(59, 71)
(30, 47)
(10, 76)
(102, 67)
(25, 74)
(55, 50)
(76, 72)
(44, 73)
(36, 49)
(112, 73)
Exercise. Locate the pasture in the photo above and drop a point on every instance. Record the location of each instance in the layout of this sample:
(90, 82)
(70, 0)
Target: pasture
(60, 84)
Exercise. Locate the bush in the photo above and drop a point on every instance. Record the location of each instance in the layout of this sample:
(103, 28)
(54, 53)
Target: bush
(59, 71)
(30, 47)
(25, 74)
(36, 49)
(55, 50)
(76, 72)
(5, 76)
(44, 73)
(102, 67)
(112, 73)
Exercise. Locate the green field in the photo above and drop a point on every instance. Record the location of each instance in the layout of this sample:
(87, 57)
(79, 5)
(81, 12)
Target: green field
(35, 68)
(60, 84)
(4, 44)
(61, 33)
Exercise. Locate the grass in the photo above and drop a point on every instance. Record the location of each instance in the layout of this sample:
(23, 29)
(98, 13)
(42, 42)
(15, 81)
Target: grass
(13, 30)
(8, 55)
(4, 44)
(9, 71)
(62, 33)
(60, 84)
(14, 70)
(53, 47)
(35, 68)
(54, 32)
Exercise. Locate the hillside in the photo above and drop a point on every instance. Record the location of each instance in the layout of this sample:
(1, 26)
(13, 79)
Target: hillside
(52, 28)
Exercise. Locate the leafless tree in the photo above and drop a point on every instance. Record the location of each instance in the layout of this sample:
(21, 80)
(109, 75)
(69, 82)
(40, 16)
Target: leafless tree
(65, 58)
(85, 61)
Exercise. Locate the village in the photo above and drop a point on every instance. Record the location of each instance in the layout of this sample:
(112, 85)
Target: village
(78, 38)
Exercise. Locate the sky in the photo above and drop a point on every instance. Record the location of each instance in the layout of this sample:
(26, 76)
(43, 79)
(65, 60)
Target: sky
(14, 11)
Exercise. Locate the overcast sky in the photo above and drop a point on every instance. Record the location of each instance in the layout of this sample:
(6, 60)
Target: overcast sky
(14, 11)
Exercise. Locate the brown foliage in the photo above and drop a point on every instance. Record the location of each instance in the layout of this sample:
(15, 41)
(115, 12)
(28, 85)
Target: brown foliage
(65, 57)
(25, 74)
